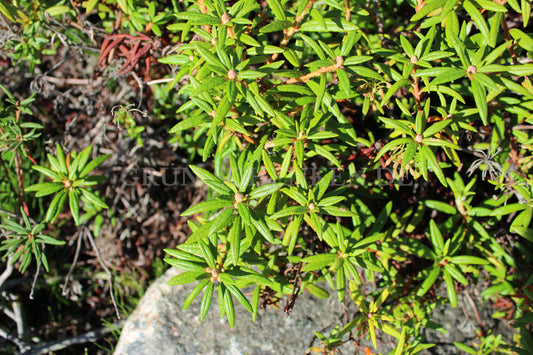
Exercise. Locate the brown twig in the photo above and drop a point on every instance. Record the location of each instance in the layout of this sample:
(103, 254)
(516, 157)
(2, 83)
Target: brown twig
(289, 32)
(318, 72)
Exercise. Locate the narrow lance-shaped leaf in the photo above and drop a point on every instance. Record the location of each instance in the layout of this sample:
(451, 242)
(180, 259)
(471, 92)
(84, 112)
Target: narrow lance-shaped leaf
(429, 280)
(194, 293)
(92, 165)
(436, 237)
(341, 284)
(478, 19)
(74, 204)
(433, 164)
(230, 310)
(265, 190)
(450, 288)
(480, 97)
(235, 240)
(206, 206)
(206, 300)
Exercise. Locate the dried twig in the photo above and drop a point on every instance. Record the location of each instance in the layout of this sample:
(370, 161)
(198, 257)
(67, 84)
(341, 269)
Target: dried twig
(111, 280)
(8, 271)
(23, 346)
(87, 337)
(74, 262)
(35, 277)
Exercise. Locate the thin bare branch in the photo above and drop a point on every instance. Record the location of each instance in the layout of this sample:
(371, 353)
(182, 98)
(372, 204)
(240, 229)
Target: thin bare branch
(109, 273)
(90, 336)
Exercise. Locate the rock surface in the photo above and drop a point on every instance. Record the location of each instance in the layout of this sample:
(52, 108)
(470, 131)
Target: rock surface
(160, 326)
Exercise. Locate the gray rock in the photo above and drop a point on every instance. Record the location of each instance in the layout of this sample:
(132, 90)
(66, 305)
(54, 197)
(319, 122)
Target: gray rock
(160, 326)
(462, 324)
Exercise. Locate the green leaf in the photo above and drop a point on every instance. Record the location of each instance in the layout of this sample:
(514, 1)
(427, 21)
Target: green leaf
(185, 265)
(468, 260)
(416, 247)
(92, 165)
(206, 300)
(369, 73)
(451, 74)
(524, 40)
(340, 282)
(196, 18)
(79, 162)
(262, 228)
(268, 49)
(234, 238)
(392, 144)
(290, 211)
(45, 188)
(436, 128)
(348, 42)
(460, 49)
(526, 11)
(248, 40)
(397, 124)
(207, 253)
(228, 305)
(465, 348)
(318, 261)
(407, 47)
(441, 206)
(436, 237)
(320, 150)
(206, 206)
(433, 164)
(507, 209)
(194, 293)
(291, 233)
(350, 61)
(275, 26)
(221, 112)
(456, 274)
(45, 171)
(56, 206)
(209, 57)
(427, 8)
(338, 211)
(95, 200)
(479, 20)
(429, 280)
(187, 277)
(277, 9)
(332, 200)
(521, 69)
(8, 10)
(12, 226)
(74, 204)
(240, 297)
(265, 190)
(180, 254)
(221, 221)
(46, 239)
(251, 276)
(57, 10)
(208, 84)
(317, 291)
(211, 180)
(332, 25)
(450, 288)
